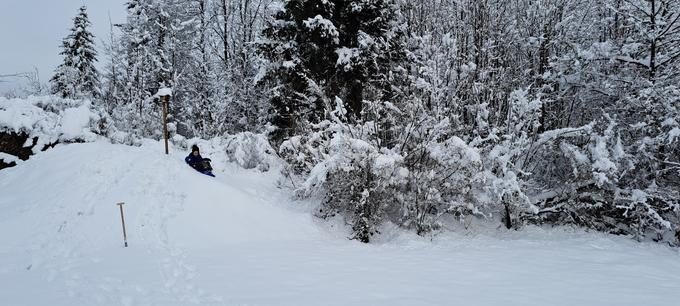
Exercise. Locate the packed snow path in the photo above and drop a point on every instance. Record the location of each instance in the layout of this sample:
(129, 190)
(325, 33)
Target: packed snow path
(238, 240)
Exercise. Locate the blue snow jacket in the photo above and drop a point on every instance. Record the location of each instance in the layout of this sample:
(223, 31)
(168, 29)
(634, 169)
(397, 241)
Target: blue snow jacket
(199, 163)
(195, 162)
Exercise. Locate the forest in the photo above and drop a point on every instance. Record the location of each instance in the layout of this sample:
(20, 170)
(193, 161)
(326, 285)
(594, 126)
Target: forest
(419, 114)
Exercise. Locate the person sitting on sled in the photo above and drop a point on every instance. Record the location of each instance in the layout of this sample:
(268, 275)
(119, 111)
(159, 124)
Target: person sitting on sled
(196, 161)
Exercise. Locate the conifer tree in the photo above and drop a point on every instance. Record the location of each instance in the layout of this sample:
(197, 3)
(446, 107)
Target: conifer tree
(299, 46)
(318, 50)
(77, 75)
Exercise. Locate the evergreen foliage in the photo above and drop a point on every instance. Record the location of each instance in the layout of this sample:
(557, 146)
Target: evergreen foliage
(77, 76)
(319, 50)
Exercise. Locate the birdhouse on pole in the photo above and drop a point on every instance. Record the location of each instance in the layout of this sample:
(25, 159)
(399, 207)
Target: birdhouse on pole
(164, 95)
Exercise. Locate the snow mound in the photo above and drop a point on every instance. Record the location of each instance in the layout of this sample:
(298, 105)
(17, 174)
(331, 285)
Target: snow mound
(237, 239)
(49, 118)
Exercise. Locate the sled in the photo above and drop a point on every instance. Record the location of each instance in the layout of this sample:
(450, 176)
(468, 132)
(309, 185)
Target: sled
(205, 167)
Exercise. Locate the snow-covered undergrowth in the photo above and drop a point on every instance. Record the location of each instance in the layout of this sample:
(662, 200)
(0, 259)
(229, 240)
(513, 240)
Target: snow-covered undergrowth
(239, 240)
(422, 176)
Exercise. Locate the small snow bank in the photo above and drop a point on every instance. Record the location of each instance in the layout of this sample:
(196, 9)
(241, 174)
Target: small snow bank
(33, 124)
(49, 118)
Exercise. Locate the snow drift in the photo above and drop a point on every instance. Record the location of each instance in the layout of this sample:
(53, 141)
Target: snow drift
(238, 239)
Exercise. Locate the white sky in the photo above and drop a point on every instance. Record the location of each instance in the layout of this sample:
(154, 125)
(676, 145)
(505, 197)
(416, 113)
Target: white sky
(31, 32)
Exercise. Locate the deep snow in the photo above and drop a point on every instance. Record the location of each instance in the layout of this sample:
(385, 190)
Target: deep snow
(239, 240)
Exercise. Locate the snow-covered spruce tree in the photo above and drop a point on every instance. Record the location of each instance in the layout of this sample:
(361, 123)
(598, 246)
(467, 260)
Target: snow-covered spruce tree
(317, 50)
(77, 76)
(299, 45)
(327, 53)
(371, 49)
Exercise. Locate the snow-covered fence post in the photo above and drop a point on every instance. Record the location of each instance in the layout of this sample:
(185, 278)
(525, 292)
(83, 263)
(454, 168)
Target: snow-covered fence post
(122, 219)
(164, 94)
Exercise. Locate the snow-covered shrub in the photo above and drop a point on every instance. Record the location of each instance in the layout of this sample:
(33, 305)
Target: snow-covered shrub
(411, 170)
(356, 178)
(303, 152)
(505, 155)
(250, 151)
(445, 178)
(369, 184)
(595, 182)
(360, 183)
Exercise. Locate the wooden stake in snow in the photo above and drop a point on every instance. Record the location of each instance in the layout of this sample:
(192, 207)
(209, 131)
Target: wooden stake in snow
(165, 99)
(122, 219)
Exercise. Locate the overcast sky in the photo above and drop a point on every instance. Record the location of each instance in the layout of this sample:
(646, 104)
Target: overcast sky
(31, 32)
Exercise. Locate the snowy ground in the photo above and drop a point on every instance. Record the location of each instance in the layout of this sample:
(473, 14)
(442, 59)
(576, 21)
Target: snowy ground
(238, 240)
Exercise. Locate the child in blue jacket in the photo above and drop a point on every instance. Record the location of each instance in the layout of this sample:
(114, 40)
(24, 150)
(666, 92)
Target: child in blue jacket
(196, 161)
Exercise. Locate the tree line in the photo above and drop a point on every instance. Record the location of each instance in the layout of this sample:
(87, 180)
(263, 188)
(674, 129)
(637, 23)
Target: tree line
(423, 113)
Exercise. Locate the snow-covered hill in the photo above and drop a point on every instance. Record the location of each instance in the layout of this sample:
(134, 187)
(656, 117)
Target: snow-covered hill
(239, 240)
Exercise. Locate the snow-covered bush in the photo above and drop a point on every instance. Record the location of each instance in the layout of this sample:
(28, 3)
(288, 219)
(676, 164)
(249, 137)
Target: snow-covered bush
(250, 151)
(445, 177)
(369, 184)
(506, 154)
(596, 181)
(360, 183)
(344, 166)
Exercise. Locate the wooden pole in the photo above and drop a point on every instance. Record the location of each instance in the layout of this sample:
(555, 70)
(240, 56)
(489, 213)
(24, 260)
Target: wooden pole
(122, 219)
(165, 101)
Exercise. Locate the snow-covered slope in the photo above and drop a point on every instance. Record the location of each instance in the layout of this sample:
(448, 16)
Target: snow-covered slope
(238, 240)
